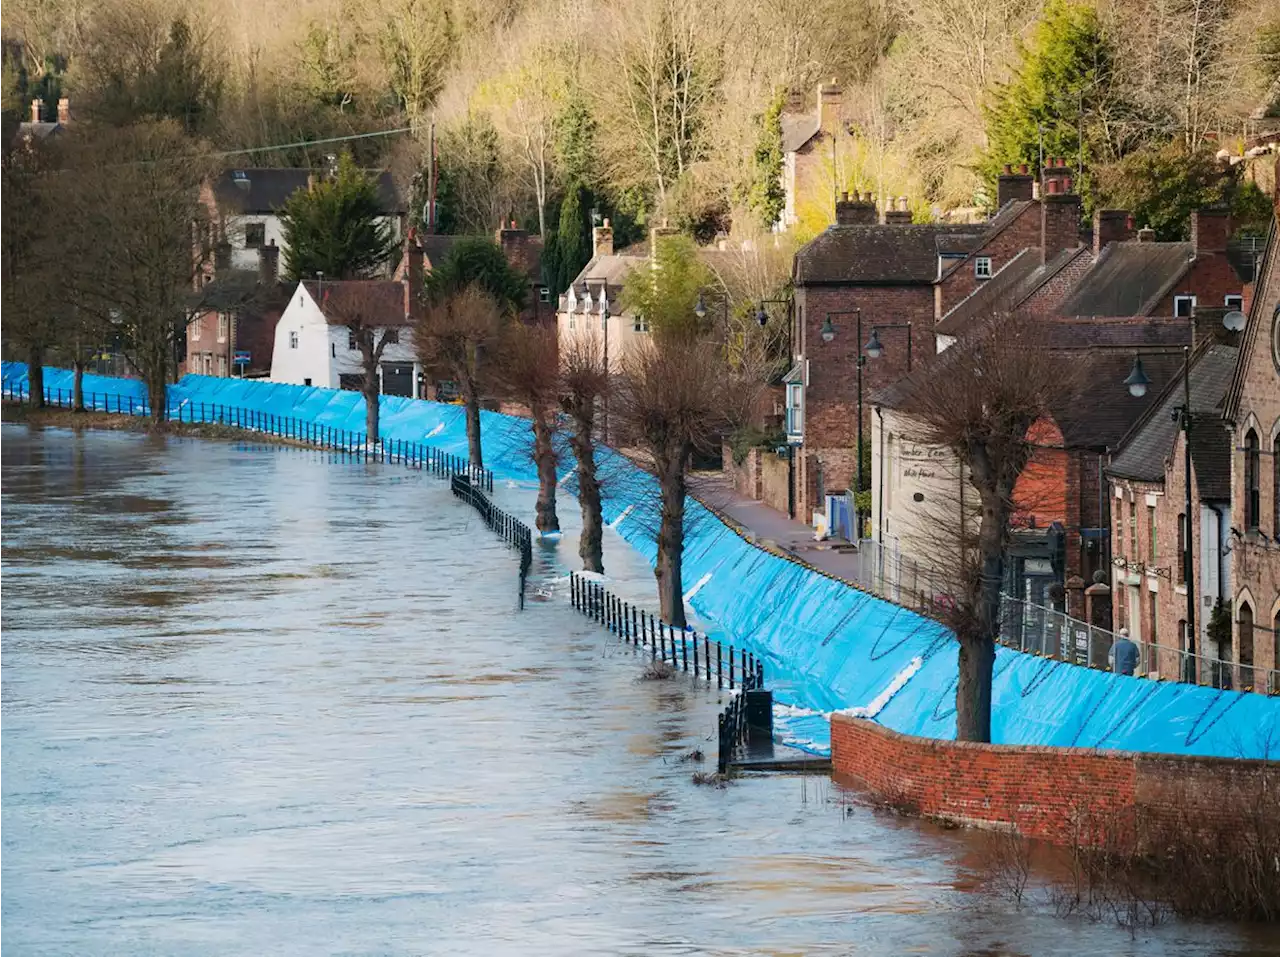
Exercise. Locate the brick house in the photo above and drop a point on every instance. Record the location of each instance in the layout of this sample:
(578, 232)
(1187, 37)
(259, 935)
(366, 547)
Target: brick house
(1252, 416)
(808, 170)
(858, 276)
(1147, 492)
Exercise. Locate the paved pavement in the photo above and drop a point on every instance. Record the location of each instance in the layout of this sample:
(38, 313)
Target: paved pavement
(772, 529)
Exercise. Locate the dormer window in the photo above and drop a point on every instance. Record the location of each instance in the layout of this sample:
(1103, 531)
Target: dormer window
(982, 267)
(1184, 307)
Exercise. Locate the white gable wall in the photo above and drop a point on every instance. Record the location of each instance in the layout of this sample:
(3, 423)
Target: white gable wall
(310, 358)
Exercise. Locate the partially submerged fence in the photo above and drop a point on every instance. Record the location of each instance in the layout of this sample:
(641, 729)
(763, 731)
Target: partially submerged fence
(683, 648)
(412, 454)
(511, 530)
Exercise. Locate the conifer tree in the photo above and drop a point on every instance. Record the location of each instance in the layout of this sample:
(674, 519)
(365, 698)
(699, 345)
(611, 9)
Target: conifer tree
(337, 227)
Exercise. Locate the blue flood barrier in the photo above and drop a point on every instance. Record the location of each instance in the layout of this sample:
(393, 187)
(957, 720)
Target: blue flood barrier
(828, 646)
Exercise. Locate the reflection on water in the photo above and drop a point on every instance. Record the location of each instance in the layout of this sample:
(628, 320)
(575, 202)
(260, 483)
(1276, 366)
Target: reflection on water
(265, 701)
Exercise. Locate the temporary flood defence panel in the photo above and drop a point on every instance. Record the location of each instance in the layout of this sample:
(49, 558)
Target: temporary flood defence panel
(828, 645)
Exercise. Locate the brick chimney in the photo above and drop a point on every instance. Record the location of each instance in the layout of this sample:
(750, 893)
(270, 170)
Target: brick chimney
(1014, 184)
(1210, 229)
(268, 262)
(64, 111)
(656, 234)
(37, 110)
(858, 211)
(899, 215)
(1111, 226)
(602, 240)
(1060, 210)
(514, 242)
(795, 102)
(829, 97)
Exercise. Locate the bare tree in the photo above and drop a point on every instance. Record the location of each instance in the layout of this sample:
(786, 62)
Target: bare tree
(375, 312)
(452, 337)
(137, 242)
(672, 401)
(528, 372)
(584, 382)
(980, 401)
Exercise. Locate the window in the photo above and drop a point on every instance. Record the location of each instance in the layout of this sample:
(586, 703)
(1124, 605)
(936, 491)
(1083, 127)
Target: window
(1252, 481)
(1180, 573)
(222, 365)
(1245, 644)
(1133, 530)
(351, 341)
(1151, 534)
(544, 294)
(255, 235)
(795, 408)
(194, 333)
(333, 351)
(982, 267)
(641, 324)
(393, 337)
(1233, 302)
(293, 340)
(1153, 653)
(1184, 306)
(223, 325)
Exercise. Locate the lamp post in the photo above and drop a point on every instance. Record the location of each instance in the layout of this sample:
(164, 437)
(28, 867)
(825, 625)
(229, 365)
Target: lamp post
(762, 318)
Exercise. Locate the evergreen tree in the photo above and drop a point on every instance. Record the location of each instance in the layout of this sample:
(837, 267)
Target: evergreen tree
(478, 262)
(1062, 78)
(337, 227)
(765, 196)
(573, 239)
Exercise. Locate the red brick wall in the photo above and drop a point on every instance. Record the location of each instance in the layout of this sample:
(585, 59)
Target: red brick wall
(1039, 791)
(1040, 496)
(1022, 233)
(1045, 300)
(1210, 279)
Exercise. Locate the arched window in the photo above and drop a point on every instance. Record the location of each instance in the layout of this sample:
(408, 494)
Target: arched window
(1252, 481)
(1245, 644)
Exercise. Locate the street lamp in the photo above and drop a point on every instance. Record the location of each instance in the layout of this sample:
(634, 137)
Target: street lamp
(875, 348)
(1137, 380)
(700, 310)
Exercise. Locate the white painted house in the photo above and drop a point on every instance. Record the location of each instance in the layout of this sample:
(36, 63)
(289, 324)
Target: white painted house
(314, 347)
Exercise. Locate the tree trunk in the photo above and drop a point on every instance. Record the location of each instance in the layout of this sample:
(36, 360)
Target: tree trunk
(591, 540)
(77, 385)
(35, 377)
(544, 454)
(977, 636)
(371, 401)
(670, 565)
(157, 396)
(472, 402)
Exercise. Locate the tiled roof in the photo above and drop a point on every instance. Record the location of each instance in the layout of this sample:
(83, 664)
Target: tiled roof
(797, 129)
(997, 224)
(1129, 279)
(382, 300)
(264, 191)
(1266, 297)
(1144, 451)
(897, 254)
(610, 271)
(997, 294)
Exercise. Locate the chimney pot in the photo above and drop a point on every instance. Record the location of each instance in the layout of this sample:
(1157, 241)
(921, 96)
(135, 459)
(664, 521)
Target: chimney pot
(844, 196)
(64, 111)
(903, 205)
(1022, 169)
(1146, 235)
(606, 222)
(1007, 169)
(37, 109)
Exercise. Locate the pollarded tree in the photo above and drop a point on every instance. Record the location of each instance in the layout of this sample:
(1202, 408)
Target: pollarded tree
(476, 261)
(584, 385)
(337, 227)
(452, 337)
(528, 372)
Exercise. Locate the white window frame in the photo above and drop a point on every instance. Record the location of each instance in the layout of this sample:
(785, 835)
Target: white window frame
(1235, 301)
(293, 338)
(640, 323)
(982, 267)
(795, 408)
(224, 326)
(1178, 300)
(195, 329)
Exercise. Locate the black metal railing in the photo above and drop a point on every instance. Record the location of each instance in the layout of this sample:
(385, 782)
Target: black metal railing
(683, 648)
(412, 454)
(510, 529)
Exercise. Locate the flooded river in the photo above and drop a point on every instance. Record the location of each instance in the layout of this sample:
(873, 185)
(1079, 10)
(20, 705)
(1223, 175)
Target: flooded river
(264, 701)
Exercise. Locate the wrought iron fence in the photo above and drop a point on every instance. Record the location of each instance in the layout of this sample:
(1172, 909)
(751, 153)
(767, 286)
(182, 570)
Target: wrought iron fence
(683, 648)
(417, 455)
(512, 531)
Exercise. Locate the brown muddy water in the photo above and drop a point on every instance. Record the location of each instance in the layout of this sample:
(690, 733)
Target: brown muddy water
(264, 701)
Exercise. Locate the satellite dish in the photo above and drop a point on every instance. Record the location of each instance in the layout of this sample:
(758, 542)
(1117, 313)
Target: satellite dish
(1234, 320)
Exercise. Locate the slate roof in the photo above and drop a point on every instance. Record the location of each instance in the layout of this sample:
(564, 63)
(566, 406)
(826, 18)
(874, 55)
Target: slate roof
(40, 131)
(1129, 279)
(613, 271)
(1019, 279)
(264, 191)
(1145, 450)
(383, 299)
(1098, 411)
(869, 254)
(435, 247)
(798, 129)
